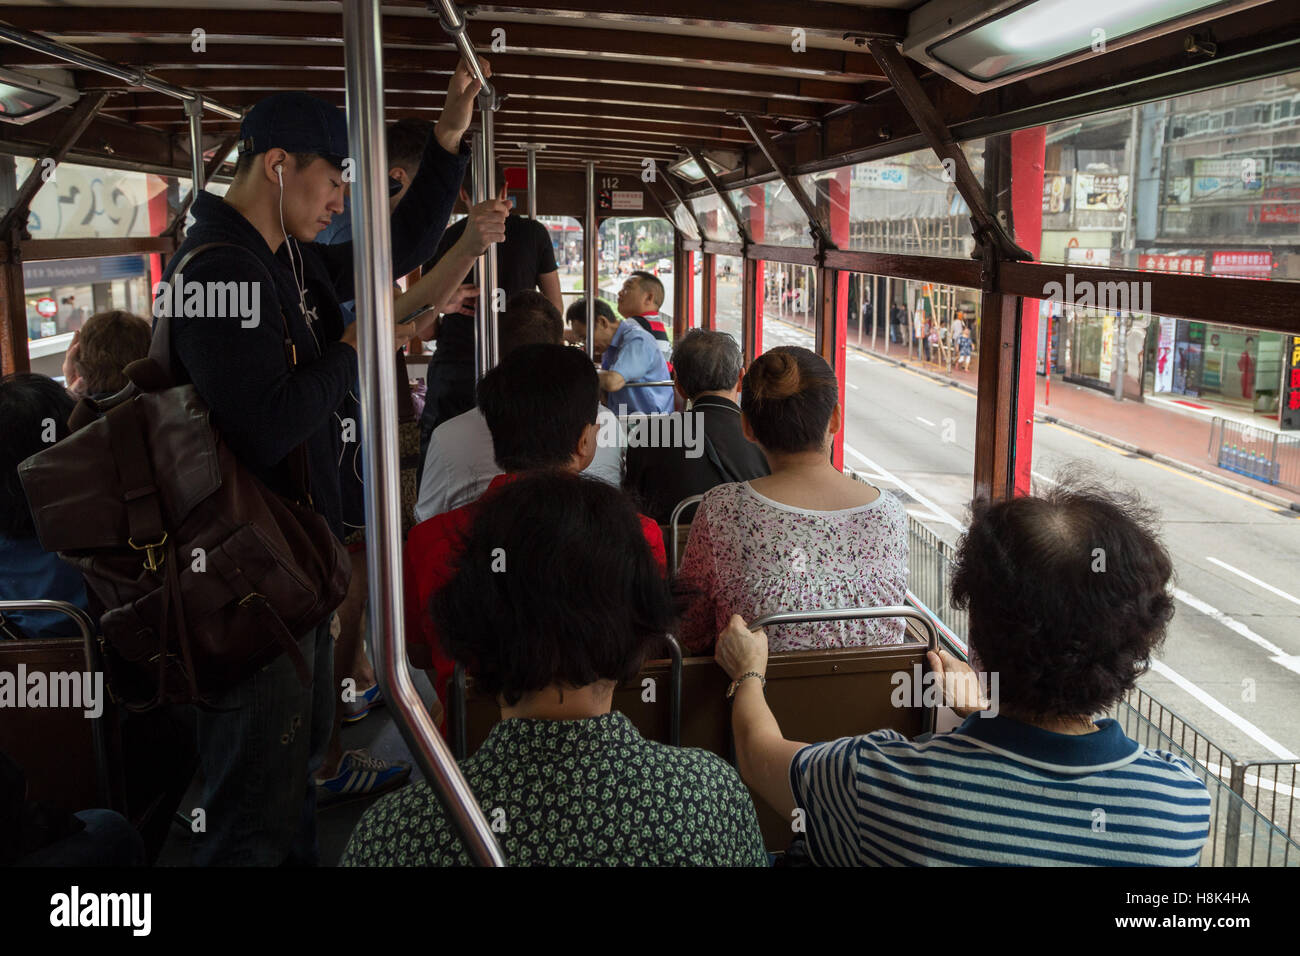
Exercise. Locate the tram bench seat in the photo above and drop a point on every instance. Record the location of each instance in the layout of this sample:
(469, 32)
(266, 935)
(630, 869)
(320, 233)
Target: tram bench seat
(54, 746)
(814, 695)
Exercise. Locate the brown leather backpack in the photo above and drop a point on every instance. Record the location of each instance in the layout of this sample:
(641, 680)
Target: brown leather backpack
(203, 574)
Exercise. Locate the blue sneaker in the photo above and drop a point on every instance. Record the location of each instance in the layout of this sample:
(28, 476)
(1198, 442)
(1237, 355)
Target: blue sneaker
(366, 701)
(361, 775)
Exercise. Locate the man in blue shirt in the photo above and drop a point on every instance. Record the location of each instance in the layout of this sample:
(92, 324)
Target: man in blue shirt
(628, 354)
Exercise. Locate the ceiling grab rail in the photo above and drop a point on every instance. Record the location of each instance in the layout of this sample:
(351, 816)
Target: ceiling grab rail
(372, 272)
(483, 164)
(89, 61)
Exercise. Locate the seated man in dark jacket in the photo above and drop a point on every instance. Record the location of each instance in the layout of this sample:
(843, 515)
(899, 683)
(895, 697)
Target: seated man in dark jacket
(707, 369)
(274, 376)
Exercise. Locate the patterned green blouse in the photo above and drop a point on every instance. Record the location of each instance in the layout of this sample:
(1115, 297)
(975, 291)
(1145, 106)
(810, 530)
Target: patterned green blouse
(590, 792)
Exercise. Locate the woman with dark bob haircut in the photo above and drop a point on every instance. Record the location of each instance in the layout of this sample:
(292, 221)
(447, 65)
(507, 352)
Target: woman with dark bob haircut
(557, 600)
(1068, 601)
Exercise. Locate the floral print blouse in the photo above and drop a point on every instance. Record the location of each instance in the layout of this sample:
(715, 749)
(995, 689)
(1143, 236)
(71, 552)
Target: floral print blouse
(589, 792)
(750, 555)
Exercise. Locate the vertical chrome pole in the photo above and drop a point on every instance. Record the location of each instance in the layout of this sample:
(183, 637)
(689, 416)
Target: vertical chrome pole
(532, 182)
(591, 271)
(482, 353)
(194, 111)
(373, 274)
(487, 107)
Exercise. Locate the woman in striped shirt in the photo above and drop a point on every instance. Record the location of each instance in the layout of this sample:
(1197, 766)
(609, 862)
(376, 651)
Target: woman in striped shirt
(1067, 601)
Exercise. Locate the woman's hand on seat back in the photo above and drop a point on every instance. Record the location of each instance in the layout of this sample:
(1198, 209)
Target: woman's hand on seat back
(740, 650)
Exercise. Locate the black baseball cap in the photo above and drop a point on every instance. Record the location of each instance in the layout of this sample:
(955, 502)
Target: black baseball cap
(297, 123)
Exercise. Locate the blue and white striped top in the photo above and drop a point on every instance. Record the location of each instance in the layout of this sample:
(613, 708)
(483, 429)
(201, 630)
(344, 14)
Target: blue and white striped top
(996, 792)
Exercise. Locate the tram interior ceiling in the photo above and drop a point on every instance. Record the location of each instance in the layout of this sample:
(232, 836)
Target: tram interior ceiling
(755, 129)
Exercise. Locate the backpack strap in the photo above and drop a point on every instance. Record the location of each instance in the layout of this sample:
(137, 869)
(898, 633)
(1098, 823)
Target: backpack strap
(160, 353)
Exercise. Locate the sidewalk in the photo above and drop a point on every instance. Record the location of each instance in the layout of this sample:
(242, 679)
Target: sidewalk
(1158, 430)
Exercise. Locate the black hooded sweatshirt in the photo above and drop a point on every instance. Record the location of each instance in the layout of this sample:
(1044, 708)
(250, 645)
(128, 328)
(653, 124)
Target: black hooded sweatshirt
(263, 407)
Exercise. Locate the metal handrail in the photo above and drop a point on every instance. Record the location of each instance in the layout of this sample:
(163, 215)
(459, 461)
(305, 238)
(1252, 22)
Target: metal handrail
(860, 613)
(372, 274)
(89, 61)
(675, 517)
(667, 384)
(852, 614)
(98, 733)
(454, 25)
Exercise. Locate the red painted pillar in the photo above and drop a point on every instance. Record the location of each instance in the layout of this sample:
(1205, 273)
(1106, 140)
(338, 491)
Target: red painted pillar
(1028, 147)
(758, 233)
(691, 318)
(157, 223)
(838, 216)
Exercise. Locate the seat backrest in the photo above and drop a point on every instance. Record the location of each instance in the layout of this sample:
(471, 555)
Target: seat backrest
(54, 746)
(68, 758)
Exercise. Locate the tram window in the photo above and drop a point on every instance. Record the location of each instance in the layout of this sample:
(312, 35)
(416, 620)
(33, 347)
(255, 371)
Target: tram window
(789, 297)
(906, 204)
(1216, 207)
(772, 215)
(727, 316)
(637, 244)
(716, 220)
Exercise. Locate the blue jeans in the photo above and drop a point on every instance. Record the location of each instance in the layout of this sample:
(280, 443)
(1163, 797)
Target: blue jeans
(257, 755)
(108, 840)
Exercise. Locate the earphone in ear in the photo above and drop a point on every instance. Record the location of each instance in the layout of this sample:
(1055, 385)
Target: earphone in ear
(279, 174)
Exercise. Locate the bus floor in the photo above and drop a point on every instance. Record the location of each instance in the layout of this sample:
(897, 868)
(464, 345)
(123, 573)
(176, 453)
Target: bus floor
(335, 821)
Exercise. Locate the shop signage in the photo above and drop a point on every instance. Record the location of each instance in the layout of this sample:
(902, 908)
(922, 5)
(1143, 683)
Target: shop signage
(1098, 192)
(1245, 265)
(1159, 262)
(1165, 355)
(880, 175)
(1228, 178)
(1290, 416)
(1056, 193)
(47, 307)
(56, 272)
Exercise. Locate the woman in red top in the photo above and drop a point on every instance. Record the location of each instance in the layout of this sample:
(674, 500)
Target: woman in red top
(540, 405)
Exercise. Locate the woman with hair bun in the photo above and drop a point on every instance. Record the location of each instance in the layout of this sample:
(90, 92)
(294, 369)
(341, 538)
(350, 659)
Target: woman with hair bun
(804, 537)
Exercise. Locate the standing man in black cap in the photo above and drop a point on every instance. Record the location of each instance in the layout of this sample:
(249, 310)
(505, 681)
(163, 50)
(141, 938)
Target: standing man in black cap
(259, 749)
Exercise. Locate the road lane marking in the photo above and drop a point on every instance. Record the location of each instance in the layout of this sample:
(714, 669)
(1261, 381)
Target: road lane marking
(924, 421)
(899, 482)
(1232, 717)
(1254, 580)
(1290, 661)
(851, 385)
(1041, 477)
